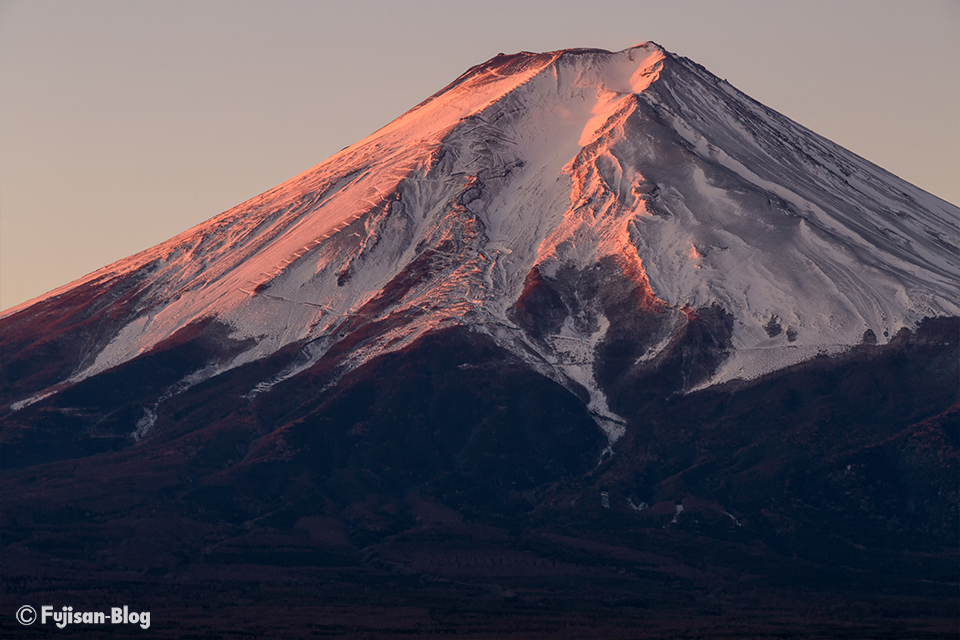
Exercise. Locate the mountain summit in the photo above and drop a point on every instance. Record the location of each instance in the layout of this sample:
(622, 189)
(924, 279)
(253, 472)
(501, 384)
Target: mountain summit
(579, 207)
(587, 344)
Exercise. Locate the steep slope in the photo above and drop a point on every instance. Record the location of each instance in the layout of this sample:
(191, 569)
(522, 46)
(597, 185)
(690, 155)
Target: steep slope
(386, 393)
(580, 207)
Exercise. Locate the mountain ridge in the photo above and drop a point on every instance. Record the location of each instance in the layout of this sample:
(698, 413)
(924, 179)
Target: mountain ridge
(662, 234)
(600, 347)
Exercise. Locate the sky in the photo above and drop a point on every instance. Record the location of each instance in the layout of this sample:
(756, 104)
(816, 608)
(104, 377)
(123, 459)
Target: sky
(125, 122)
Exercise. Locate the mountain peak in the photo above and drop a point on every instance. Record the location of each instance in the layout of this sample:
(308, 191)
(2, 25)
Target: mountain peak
(561, 203)
(475, 347)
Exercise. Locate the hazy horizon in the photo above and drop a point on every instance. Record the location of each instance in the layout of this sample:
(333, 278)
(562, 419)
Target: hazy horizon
(124, 123)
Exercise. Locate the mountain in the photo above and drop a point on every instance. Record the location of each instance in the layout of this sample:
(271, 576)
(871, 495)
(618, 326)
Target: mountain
(580, 314)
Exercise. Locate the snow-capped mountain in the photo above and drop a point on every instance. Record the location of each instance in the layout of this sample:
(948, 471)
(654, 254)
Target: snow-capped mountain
(588, 344)
(570, 205)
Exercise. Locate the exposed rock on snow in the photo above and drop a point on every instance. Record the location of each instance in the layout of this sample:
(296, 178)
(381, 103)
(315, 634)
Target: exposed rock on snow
(543, 199)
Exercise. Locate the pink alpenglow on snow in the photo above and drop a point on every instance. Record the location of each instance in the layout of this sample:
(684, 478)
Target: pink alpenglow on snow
(529, 168)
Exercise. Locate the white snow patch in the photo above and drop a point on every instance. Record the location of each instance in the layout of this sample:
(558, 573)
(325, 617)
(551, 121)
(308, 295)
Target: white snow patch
(573, 355)
(16, 406)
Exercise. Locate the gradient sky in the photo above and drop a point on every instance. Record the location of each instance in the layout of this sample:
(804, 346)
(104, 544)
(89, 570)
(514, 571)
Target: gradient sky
(125, 122)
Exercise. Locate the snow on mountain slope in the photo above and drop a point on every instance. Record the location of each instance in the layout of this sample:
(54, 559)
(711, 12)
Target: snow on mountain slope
(637, 171)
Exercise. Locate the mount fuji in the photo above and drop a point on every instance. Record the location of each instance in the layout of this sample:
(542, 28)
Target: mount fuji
(568, 287)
